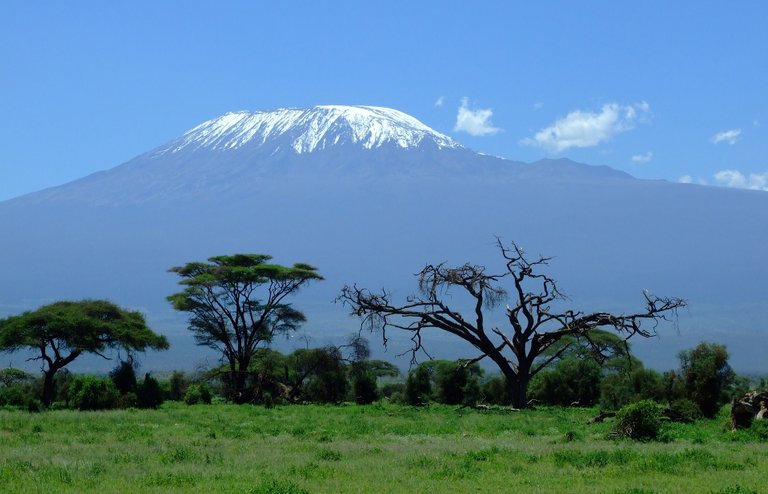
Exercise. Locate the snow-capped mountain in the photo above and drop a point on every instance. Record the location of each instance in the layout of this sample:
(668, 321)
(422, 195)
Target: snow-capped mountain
(309, 130)
(370, 195)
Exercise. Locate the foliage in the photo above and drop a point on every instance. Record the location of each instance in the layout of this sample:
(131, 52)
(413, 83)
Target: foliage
(496, 391)
(418, 386)
(521, 352)
(92, 393)
(328, 380)
(62, 331)
(571, 381)
(198, 393)
(686, 409)
(237, 304)
(149, 393)
(177, 386)
(707, 375)
(621, 388)
(124, 377)
(640, 421)
(12, 377)
(364, 386)
(456, 382)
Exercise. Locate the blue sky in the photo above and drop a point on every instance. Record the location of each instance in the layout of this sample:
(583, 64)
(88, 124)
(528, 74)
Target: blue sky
(662, 90)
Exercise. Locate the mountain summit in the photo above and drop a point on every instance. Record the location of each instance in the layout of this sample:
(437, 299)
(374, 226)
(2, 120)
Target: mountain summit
(309, 130)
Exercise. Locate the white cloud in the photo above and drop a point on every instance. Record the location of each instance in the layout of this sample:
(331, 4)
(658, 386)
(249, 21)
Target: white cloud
(729, 136)
(439, 102)
(736, 179)
(538, 106)
(474, 122)
(643, 158)
(586, 129)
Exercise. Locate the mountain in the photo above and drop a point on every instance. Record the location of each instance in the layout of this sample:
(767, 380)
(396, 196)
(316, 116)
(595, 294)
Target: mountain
(370, 195)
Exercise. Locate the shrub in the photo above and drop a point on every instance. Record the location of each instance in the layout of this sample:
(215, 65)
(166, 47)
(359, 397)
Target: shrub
(496, 391)
(18, 395)
(686, 408)
(640, 421)
(418, 386)
(124, 377)
(706, 374)
(364, 388)
(619, 389)
(456, 383)
(198, 393)
(150, 395)
(92, 393)
(571, 381)
(177, 386)
(393, 388)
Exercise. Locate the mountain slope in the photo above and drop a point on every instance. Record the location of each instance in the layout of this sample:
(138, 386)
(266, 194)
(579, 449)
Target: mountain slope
(369, 199)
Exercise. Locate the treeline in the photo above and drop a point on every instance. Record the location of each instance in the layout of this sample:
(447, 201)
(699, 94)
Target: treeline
(698, 388)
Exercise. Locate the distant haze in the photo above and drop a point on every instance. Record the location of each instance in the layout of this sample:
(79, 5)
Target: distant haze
(370, 195)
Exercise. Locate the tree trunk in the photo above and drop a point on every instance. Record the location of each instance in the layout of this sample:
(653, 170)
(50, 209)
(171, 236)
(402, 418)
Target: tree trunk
(240, 375)
(518, 387)
(48, 387)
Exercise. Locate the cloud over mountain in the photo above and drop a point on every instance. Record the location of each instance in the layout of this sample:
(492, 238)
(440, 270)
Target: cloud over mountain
(474, 122)
(582, 129)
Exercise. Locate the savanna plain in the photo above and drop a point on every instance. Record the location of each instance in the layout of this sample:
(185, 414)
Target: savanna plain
(381, 447)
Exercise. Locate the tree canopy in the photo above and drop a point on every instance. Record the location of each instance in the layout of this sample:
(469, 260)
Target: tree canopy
(238, 303)
(535, 327)
(62, 331)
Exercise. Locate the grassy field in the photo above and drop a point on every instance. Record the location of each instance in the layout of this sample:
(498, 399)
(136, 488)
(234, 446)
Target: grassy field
(378, 448)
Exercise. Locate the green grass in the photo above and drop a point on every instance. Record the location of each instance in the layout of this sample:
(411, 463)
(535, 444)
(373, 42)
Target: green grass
(378, 448)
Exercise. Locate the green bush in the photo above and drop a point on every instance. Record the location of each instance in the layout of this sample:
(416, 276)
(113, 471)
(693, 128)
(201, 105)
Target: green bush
(619, 389)
(92, 393)
(707, 376)
(639, 421)
(418, 386)
(496, 391)
(686, 408)
(364, 388)
(124, 377)
(198, 393)
(150, 395)
(570, 381)
(18, 395)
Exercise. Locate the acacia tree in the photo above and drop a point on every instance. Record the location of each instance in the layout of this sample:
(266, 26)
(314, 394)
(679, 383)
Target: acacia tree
(520, 352)
(62, 331)
(237, 303)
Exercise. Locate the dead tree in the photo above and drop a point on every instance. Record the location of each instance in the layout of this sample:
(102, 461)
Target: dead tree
(520, 351)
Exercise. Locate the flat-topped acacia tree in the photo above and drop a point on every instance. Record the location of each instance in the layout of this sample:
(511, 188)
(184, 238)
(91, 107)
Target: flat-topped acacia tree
(238, 303)
(520, 351)
(62, 331)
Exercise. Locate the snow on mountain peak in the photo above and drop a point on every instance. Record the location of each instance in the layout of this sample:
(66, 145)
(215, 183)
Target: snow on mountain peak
(313, 129)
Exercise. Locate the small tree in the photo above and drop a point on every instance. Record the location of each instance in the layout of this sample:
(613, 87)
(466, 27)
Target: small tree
(177, 386)
(237, 304)
(149, 393)
(92, 393)
(534, 326)
(62, 331)
(124, 377)
(418, 386)
(707, 375)
(363, 385)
